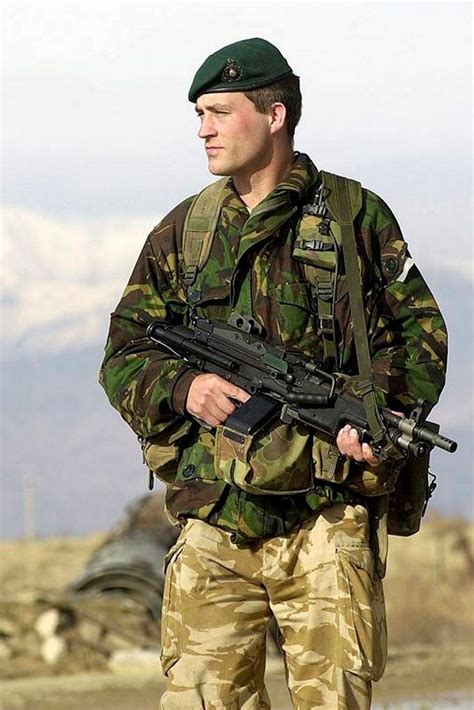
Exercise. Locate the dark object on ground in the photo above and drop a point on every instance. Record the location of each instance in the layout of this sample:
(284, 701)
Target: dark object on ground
(130, 561)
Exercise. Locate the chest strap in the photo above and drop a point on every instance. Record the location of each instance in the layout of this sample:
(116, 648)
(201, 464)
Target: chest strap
(199, 227)
(341, 202)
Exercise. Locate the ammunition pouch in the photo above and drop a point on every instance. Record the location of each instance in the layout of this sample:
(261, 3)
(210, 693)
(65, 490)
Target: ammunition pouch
(287, 460)
(360, 477)
(276, 461)
(407, 502)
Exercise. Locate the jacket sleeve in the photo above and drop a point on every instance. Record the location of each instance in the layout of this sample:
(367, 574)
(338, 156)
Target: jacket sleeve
(148, 386)
(408, 337)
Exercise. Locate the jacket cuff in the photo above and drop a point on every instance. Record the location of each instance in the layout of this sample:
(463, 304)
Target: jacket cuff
(181, 387)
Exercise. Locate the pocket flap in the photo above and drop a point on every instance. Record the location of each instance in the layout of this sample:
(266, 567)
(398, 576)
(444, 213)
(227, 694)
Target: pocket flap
(316, 243)
(293, 294)
(208, 290)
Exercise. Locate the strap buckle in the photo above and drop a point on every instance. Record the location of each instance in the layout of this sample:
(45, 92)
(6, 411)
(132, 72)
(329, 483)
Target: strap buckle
(325, 227)
(325, 325)
(190, 275)
(317, 207)
(324, 290)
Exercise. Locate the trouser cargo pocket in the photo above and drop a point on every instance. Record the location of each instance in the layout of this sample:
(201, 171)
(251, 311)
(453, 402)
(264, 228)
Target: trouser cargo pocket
(171, 619)
(361, 613)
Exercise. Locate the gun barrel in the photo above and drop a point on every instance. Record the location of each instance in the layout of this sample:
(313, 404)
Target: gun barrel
(420, 433)
(434, 439)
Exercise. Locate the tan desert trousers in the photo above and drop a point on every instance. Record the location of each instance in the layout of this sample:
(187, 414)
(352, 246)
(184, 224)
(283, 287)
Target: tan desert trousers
(319, 582)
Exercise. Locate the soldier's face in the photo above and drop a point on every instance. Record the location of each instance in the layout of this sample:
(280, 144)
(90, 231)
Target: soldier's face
(236, 137)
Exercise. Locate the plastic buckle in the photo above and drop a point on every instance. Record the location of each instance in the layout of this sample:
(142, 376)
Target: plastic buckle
(324, 290)
(190, 275)
(313, 244)
(325, 324)
(364, 387)
(324, 228)
(317, 207)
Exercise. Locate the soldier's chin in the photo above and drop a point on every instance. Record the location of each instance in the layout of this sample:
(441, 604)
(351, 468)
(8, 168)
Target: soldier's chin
(216, 168)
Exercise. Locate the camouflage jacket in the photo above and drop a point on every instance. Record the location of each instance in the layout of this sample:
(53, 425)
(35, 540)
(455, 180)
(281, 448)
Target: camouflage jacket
(251, 270)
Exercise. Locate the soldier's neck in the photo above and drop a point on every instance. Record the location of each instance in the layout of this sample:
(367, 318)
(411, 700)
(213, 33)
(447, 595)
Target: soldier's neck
(255, 186)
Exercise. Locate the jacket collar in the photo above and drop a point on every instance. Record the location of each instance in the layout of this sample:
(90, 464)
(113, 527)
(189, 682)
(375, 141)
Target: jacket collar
(295, 188)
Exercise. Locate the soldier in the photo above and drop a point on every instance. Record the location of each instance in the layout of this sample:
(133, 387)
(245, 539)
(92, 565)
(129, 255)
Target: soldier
(303, 548)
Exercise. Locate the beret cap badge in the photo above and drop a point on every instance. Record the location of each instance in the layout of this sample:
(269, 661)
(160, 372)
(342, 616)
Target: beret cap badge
(232, 72)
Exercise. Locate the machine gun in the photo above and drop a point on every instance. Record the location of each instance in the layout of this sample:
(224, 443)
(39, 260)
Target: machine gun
(287, 383)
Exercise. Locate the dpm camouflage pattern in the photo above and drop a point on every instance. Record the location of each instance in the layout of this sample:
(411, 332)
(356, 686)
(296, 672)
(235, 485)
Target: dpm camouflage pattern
(326, 597)
(252, 269)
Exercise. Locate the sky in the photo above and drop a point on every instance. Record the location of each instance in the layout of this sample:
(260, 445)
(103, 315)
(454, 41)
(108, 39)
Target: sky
(99, 141)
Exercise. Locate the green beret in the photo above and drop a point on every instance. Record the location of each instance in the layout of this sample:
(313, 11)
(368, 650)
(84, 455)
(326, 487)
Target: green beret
(241, 66)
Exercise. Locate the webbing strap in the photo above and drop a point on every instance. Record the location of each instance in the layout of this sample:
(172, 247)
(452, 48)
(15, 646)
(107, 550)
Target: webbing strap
(343, 202)
(199, 227)
(323, 281)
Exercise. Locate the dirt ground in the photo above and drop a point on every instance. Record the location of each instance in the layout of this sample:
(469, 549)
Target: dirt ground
(427, 680)
(430, 607)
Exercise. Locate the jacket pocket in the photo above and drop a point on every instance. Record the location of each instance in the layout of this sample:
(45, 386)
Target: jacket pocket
(211, 296)
(293, 311)
(196, 464)
(162, 451)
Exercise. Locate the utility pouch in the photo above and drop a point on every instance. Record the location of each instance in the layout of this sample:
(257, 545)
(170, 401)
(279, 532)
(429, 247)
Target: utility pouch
(315, 244)
(316, 249)
(407, 502)
(360, 477)
(276, 461)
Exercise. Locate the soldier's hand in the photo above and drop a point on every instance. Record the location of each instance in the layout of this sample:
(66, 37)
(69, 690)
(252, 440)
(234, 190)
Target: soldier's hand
(210, 399)
(348, 444)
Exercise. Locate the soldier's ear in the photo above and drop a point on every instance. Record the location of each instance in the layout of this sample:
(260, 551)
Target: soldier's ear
(277, 117)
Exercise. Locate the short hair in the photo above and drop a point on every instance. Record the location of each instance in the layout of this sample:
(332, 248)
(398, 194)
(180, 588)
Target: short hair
(286, 91)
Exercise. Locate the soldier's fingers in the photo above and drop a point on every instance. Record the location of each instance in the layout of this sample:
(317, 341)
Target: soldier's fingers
(369, 455)
(208, 407)
(204, 415)
(342, 439)
(348, 444)
(235, 392)
(222, 412)
(354, 447)
(212, 421)
(225, 404)
(210, 415)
